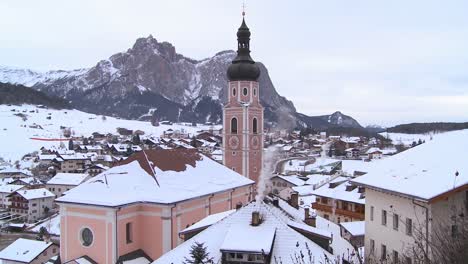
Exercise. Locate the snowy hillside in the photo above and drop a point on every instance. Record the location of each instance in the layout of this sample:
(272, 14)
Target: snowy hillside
(18, 137)
(407, 139)
(30, 78)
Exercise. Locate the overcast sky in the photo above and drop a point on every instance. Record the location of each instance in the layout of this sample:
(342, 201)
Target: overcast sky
(382, 62)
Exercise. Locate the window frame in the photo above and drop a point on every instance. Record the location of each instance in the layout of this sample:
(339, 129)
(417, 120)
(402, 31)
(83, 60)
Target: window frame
(234, 125)
(396, 218)
(129, 232)
(409, 226)
(384, 217)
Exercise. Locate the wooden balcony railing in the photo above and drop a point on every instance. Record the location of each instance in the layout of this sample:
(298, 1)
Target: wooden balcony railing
(329, 209)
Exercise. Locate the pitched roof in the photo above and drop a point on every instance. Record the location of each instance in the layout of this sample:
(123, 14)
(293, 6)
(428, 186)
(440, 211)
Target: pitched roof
(68, 178)
(9, 188)
(425, 171)
(24, 250)
(181, 174)
(35, 193)
(236, 234)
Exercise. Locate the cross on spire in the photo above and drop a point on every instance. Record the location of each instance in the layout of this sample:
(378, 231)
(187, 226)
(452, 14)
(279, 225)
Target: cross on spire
(243, 8)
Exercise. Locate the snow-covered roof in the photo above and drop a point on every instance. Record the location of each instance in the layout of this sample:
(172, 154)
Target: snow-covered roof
(425, 171)
(182, 174)
(208, 221)
(341, 246)
(373, 150)
(24, 250)
(340, 193)
(310, 229)
(356, 228)
(68, 179)
(293, 179)
(74, 156)
(316, 179)
(285, 244)
(10, 188)
(35, 193)
(140, 260)
(260, 239)
(52, 225)
(27, 180)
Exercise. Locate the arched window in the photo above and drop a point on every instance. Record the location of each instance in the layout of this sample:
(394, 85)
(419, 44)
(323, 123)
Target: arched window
(255, 126)
(255, 92)
(245, 91)
(233, 91)
(234, 125)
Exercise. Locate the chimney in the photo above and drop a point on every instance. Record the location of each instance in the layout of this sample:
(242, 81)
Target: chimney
(256, 218)
(310, 219)
(294, 200)
(275, 202)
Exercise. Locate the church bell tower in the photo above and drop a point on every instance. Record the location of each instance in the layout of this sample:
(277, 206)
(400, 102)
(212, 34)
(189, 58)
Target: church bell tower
(243, 113)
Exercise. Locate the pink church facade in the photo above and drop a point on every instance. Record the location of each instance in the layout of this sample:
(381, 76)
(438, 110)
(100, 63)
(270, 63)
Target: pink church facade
(143, 226)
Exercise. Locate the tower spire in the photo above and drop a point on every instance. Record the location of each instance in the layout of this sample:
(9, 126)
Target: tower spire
(243, 9)
(243, 67)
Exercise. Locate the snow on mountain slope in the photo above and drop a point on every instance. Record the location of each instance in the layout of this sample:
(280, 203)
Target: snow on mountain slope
(30, 78)
(16, 134)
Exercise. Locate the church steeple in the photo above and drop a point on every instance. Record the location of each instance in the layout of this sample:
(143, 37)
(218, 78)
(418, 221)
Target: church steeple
(243, 112)
(243, 67)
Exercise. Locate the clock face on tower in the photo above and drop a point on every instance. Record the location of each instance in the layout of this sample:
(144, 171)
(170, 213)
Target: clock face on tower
(234, 142)
(255, 142)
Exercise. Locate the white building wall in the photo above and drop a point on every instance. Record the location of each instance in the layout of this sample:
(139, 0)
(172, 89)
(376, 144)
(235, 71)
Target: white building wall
(37, 206)
(385, 234)
(440, 213)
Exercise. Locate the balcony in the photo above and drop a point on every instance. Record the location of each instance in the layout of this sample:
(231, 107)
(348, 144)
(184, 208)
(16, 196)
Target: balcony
(328, 209)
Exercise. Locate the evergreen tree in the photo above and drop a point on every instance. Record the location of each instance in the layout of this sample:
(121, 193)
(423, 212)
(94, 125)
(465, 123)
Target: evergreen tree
(198, 255)
(43, 233)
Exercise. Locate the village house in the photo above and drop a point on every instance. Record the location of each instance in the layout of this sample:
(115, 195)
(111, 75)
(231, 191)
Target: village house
(281, 182)
(32, 205)
(144, 203)
(353, 232)
(11, 171)
(5, 192)
(71, 163)
(271, 235)
(340, 201)
(95, 169)
(374, 153)
(353, 153)
(63, 182)
(30, 182)
(416, 198)
(28, 251)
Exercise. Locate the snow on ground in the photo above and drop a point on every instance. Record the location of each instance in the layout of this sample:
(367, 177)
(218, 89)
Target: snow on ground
(16, 134)
(52, 225)
(407, 139)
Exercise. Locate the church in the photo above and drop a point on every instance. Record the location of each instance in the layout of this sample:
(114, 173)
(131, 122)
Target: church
(135, 211)
(243, 113)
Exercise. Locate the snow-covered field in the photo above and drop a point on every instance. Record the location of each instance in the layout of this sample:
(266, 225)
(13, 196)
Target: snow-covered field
(407, 139)
(16, 134)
